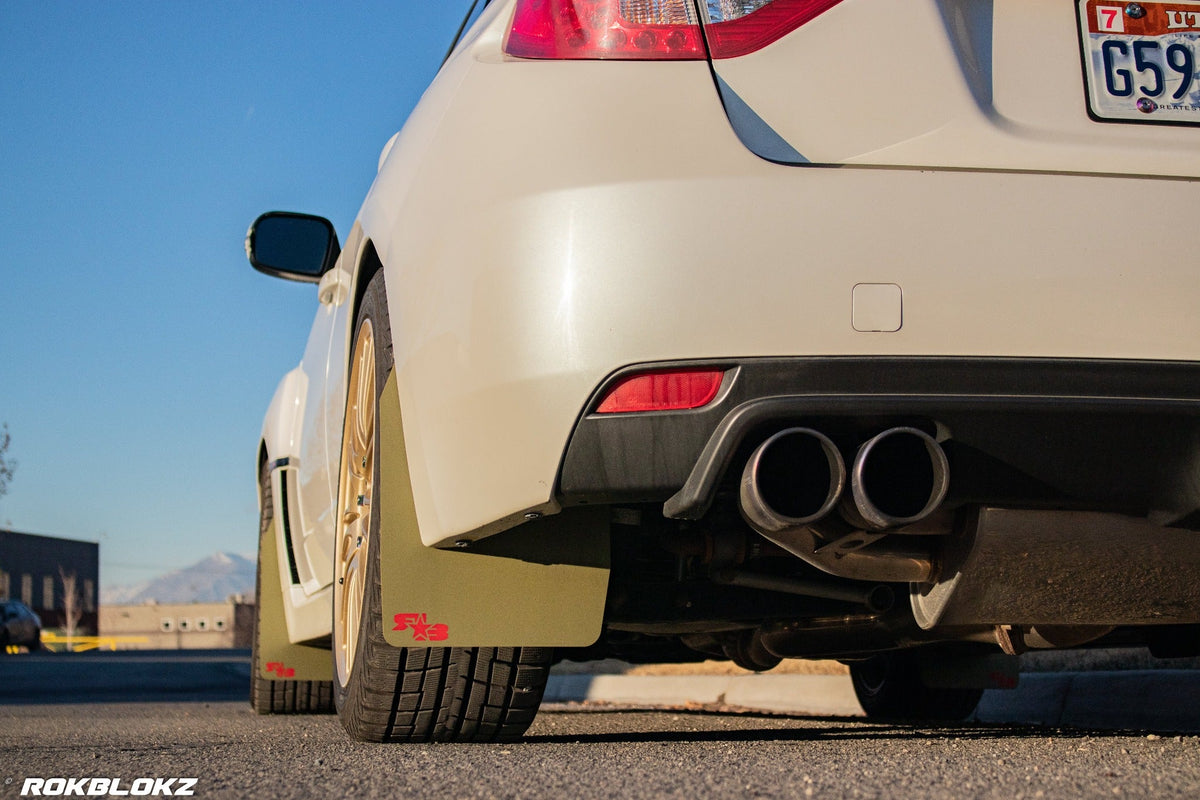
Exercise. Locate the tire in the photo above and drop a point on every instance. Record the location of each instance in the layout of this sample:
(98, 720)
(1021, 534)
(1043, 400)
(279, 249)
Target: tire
(889, 686)
(281, 696)
(392, 694)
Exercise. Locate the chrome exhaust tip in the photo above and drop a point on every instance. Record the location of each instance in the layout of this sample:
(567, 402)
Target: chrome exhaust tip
(898, 477)
(792, 479)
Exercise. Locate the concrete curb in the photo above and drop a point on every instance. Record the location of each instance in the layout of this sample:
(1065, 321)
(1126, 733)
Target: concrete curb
(1155, 700)
(827, 695)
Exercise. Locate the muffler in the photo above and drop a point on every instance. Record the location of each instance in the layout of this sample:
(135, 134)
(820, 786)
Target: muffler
(795, 478)
(1063, 568)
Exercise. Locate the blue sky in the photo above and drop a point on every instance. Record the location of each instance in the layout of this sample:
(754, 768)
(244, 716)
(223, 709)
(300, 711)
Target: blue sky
(138, 350)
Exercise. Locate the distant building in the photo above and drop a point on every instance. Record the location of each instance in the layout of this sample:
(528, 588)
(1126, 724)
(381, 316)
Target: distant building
(32, 569)
(179, 626)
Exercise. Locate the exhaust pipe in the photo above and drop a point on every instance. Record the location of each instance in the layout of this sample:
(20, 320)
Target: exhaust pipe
(793, 479)
(796, 477)
(877, 598)
(899, 477)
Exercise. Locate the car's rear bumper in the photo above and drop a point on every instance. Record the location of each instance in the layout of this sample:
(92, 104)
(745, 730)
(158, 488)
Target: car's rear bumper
(1141, 417)
(608, 216)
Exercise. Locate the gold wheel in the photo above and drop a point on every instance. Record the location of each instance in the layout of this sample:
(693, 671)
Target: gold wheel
(355, 494)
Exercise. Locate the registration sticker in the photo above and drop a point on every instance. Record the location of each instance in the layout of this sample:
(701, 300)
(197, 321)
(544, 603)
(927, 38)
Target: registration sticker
(1141, 60)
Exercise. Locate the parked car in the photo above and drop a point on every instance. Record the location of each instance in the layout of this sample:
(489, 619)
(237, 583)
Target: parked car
(19, 626)
(752, 330)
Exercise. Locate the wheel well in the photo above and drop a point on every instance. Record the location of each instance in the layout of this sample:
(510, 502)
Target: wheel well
(262, 459)
(368, 265)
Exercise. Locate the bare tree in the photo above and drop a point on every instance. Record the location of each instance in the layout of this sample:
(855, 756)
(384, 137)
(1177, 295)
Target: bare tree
(7, 465)
(72, 603)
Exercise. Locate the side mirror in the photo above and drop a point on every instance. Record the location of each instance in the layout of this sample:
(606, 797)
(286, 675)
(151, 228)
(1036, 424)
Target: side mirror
(299, 247)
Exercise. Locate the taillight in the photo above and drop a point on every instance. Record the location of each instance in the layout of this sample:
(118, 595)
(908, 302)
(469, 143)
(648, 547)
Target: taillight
(620, 29)
(669, 390)
(737, 27)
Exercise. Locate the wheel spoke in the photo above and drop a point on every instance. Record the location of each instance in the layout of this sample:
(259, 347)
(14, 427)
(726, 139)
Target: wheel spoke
(355, 490)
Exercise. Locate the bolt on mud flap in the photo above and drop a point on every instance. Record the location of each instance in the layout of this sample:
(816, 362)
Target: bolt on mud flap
(1016, 567)
(278, 658)
(541, 584)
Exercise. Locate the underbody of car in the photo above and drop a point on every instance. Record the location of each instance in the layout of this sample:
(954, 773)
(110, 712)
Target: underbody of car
(753, 330)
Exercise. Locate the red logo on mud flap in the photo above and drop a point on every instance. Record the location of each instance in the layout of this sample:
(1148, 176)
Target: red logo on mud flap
(422, 631)
(280, 670)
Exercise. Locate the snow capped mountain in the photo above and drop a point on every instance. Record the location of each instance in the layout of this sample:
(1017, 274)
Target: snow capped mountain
(211, 580)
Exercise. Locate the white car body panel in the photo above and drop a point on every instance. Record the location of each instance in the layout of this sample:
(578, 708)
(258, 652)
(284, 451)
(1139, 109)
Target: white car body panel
(977, 86)
(307, 605)
(317, 467)
(522, 270)
(303, 426)
(334, 294)
(509, 278)
(281, 425)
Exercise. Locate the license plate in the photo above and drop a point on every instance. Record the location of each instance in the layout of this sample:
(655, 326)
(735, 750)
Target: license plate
(1141, 60)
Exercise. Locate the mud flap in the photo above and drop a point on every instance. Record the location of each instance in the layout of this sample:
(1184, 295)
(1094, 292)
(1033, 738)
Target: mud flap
(278, 658)
(541, 584)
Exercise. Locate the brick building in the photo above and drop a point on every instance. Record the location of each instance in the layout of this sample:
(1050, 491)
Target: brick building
(32, 569)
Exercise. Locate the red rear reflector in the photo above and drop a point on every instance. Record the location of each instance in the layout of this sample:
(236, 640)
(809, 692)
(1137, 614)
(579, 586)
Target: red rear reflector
(732, 34)
(662, 391)
(623, 29)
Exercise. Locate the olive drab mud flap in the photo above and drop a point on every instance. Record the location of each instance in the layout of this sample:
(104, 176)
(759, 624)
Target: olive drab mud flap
(541, 584)
(278, 658)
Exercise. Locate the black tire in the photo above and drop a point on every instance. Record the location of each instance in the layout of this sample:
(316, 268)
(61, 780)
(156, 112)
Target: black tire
(889, 686)
(281, 696)
(392, 694)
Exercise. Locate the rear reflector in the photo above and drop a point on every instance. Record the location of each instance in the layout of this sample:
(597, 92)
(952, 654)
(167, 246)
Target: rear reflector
(738, 27)
(662, 391)
(619, 29)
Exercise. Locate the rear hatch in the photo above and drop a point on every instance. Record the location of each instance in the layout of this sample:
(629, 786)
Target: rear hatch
(1087, 86)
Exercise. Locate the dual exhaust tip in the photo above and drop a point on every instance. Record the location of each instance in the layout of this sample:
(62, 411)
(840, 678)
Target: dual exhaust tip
(798, 476)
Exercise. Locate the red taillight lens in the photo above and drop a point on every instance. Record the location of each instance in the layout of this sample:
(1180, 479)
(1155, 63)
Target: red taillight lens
(738, 27)
(623, 29)
(672, 390)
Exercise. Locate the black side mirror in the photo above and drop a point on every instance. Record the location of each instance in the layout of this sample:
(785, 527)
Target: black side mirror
(299, 247)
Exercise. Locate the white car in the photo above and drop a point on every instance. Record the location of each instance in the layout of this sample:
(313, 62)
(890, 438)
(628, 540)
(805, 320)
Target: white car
(747, 329)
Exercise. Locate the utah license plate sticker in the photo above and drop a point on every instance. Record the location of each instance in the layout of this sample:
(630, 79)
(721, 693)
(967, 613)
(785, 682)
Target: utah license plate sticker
(1141, 60)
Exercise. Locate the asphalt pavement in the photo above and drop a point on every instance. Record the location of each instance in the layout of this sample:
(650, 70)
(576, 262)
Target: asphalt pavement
(142, 719)
(584, 752)
(1161, 700)
(1152, 700)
